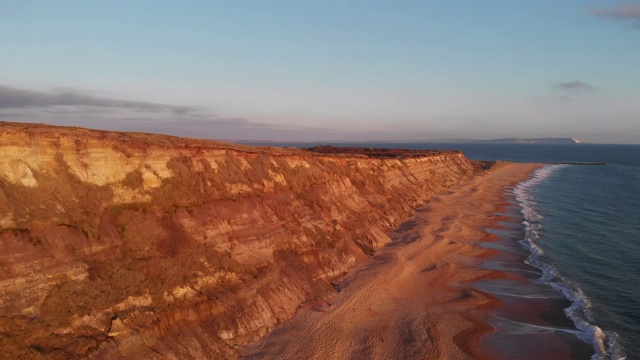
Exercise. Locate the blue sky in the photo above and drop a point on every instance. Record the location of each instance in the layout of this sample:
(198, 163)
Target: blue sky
(326, 70)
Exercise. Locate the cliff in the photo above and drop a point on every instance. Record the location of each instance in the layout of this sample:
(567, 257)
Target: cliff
(128, 245)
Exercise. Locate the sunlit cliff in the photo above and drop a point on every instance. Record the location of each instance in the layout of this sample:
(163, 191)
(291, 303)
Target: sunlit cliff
(129, 245)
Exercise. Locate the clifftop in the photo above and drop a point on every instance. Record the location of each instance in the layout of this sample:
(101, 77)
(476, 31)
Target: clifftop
(131, 245)
(379, 152)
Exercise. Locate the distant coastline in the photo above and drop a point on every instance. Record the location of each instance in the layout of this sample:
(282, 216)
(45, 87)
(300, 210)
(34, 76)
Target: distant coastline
(528, 141)
(545, 141)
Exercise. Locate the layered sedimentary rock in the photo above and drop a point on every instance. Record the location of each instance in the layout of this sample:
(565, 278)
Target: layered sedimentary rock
(126, 245)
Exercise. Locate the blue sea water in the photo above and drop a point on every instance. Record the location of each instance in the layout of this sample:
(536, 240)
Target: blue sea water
(582, 230)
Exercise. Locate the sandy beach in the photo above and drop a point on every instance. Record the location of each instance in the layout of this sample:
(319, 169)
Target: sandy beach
(413, 299)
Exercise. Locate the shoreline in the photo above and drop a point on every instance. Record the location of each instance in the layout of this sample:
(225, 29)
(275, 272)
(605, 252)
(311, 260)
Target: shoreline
(416, 297)
(528, 316)
(534, 315)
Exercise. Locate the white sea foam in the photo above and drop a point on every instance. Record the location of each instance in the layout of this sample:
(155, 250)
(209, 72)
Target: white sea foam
(604, 343)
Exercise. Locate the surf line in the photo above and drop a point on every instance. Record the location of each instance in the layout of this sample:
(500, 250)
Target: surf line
(578, 312)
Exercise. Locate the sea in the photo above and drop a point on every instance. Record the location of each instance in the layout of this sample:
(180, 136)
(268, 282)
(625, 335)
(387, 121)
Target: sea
(576, 229)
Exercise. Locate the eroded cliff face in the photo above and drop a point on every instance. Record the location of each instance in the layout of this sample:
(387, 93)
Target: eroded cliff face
(132, 246)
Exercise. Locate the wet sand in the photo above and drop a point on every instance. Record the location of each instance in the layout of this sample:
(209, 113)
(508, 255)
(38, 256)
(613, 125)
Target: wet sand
(422, 296)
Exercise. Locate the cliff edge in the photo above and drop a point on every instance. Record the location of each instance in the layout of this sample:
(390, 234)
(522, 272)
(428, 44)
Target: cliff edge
(129, 245)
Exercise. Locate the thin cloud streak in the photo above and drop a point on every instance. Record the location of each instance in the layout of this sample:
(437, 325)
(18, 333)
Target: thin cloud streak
(72, 107)
(625, 11)
(188, 125)
(15, 98)
(574, 86)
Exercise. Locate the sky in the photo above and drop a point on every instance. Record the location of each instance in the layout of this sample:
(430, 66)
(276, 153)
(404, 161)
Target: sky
(326, 70)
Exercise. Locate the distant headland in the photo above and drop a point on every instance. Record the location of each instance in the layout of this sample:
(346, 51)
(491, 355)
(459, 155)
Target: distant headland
(530, 141)
(549, 141)
(559, 141)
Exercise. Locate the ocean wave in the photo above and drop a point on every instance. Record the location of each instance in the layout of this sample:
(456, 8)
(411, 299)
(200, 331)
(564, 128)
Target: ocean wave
(605, 344)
